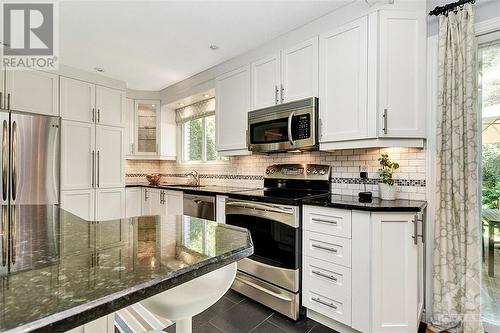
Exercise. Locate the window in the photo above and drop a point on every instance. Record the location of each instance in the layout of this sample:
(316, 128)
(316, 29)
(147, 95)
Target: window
(198, 140)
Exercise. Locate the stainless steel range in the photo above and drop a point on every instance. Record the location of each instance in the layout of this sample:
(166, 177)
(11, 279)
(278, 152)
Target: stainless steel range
(271, 275)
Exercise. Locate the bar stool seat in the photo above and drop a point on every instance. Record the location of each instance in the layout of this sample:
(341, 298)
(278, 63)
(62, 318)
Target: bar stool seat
(187, 300)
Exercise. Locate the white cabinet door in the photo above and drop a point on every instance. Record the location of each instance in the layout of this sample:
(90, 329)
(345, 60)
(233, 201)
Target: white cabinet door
(33, 91)
(395, 274)
(232, 106)
(157, 208)
(77, 155)
(402, 74)
(77, 100)
(110, 157)
(80, 203)
(146, 201)
(110, 104)
(175, 202)
(110, 204)
(299, 70)
(266, 82)
(343, 82)
(130, 126)
(2, 86)
(168, 134)
(220, 208)
(133, 201)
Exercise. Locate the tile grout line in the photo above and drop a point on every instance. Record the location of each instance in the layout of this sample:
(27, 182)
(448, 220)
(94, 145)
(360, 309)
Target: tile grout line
(261, 323)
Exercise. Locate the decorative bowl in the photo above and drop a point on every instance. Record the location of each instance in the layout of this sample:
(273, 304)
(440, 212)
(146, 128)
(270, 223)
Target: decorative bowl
(153, 178)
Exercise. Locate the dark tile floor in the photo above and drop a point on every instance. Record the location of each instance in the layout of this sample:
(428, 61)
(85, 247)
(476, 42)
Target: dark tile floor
(234, 313)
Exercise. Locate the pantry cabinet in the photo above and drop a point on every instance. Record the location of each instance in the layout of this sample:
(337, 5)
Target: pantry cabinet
(80, 203)
(32, 91)
(232, 105)
(88, 102)
(110, 157)
(110, 204)
(374, 288)
(288, 75)
(402, 63)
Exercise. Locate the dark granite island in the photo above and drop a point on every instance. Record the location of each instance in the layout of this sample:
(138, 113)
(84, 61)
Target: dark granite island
(59, 271)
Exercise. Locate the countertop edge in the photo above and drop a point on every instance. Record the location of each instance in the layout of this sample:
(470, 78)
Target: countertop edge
(89, 311)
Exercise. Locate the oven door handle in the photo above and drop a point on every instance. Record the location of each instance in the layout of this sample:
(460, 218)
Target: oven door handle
(264, 290)
(290, 134)
(258, 206)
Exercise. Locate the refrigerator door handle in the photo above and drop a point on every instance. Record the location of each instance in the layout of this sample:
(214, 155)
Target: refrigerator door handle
(14, 160)
(1, 100)
(5, 159)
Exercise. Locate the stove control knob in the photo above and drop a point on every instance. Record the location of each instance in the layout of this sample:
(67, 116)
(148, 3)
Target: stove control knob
(314, 171)
(272, 171)
(267, 171)
(308, 171)
(322, 171)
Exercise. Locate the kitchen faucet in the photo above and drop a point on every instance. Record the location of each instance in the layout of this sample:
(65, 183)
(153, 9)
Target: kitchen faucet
(194, 178)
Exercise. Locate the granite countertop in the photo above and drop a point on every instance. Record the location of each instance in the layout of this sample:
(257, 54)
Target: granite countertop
(377, 205)
(59, 271)
(203, 189)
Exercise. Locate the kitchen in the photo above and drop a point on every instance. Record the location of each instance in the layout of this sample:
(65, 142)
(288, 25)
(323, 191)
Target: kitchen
(288, 176)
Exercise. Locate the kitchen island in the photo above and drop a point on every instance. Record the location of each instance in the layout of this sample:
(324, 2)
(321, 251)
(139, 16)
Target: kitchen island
(59, 271)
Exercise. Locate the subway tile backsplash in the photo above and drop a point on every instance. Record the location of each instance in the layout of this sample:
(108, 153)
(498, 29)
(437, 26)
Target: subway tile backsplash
(248, 171)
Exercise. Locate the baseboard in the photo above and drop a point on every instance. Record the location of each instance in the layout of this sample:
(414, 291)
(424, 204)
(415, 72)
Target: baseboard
(328, 322)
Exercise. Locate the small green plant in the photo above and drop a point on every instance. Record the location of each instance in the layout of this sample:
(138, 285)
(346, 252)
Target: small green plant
(387, 168)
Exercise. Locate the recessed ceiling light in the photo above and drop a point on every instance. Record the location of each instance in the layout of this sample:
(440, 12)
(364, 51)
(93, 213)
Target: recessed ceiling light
(206, 95)
(152, 105)
(214, 47)
(99, 69)
(181, 104)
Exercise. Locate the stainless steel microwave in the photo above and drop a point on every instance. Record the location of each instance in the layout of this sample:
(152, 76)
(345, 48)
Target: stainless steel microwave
(284, 127)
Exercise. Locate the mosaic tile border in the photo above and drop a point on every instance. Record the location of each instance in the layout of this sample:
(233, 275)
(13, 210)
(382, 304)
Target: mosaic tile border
(335, 180)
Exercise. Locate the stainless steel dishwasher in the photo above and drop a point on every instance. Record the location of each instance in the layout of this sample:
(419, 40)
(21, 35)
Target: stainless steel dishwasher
(202, 206)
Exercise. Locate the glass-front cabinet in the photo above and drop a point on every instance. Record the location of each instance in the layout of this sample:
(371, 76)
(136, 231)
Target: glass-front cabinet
(147, 116)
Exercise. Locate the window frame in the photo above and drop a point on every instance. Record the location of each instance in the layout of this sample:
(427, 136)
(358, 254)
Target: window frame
(182, 151)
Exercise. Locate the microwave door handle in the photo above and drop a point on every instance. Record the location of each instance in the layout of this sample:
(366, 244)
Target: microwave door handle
(290, 137)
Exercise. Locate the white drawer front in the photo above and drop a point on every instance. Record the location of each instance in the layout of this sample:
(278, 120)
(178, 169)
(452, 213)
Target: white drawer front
(330, 221)
(330, 307)
(327, 279)
(333, 249)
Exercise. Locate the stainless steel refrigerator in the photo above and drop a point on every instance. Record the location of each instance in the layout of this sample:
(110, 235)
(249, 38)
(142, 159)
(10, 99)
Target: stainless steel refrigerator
(29, 188)
(30, 159)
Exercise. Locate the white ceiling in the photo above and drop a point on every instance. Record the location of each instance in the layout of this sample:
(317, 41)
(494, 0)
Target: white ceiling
(154, 44)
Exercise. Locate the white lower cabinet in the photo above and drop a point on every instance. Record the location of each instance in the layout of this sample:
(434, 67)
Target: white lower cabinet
(220, 208)
(92, 204)
(174, 202)
(361, 270)
(161, 202)
(133, 201)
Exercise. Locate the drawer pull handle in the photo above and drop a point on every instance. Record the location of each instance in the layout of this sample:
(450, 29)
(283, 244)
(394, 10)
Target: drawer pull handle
(321, 247)
(326, 221)
(331, 277)
(320, 301)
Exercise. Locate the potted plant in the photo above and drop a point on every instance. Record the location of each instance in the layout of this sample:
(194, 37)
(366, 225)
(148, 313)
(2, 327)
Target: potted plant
(386, 187)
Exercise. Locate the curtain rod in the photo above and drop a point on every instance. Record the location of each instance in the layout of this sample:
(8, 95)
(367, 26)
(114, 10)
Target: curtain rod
(444, 10)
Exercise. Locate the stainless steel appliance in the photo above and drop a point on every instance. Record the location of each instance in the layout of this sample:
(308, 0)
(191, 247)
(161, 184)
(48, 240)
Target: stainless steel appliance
(30, 158)
(283, 127)
(271, 275)
(202, 206)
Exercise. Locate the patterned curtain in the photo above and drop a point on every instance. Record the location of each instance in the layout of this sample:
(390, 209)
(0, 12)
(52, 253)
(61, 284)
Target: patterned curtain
(457, 256)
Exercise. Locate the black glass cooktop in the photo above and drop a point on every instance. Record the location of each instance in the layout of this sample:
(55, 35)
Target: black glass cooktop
(278, 195)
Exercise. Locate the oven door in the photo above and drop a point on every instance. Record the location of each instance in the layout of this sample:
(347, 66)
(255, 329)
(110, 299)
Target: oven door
(276, 238)
(284, 127)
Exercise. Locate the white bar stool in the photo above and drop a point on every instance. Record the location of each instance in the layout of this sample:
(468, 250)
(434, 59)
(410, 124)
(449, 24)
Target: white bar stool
(183, 302)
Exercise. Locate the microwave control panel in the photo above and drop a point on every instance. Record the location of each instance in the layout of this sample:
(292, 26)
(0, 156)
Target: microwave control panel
(302, 127)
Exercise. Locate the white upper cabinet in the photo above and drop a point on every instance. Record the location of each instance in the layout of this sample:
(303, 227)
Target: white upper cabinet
(266, 81)
(32, 91)
(110, 157)
(110, 104)
(343, 82)
(299, 71)
(77, 100)
(402, 99)
(288, 75)
(232, 106)
(77, 155)
(147, 120)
